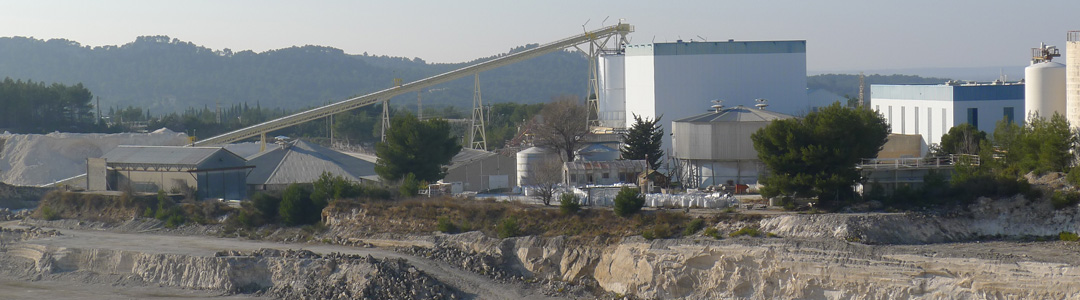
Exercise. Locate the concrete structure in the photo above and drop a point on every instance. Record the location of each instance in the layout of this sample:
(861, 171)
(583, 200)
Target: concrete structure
(902, 146)
(715, 147)
(675, 79)
(1072, 78)
(212, 172)
(303, 162)
(580, 173)
(479, 170)
(931, 110)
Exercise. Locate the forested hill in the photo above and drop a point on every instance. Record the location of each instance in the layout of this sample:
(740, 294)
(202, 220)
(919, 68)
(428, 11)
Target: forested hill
(168, 75)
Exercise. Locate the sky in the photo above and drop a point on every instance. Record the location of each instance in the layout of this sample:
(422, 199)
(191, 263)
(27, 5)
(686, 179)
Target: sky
(844, 36)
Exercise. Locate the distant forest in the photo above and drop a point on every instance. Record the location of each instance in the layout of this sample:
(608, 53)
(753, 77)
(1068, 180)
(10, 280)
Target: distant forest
(166, 75)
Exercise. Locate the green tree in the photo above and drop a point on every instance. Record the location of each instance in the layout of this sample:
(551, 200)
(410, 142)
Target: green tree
(569, 203)
(296, 206)
(1041, 145)
(643, 141)
(816, 156)
(422, 148)
(961, 139)
(628, 201)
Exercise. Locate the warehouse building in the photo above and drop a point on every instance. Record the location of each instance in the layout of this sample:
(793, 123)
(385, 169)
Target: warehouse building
(479, 170)
(302, 162)
(213, 172)
(931, 110)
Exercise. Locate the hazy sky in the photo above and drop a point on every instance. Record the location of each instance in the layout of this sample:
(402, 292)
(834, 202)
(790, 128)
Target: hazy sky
(840, 35)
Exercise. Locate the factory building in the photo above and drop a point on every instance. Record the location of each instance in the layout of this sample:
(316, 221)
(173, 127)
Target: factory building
(715, 147)
(673, 79)
(213, 172)
(479, 170)
(302, 162)
(931, 110)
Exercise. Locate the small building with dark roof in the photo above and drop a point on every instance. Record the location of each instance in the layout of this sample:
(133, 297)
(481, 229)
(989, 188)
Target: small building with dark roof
(212, 172)
(715, 147)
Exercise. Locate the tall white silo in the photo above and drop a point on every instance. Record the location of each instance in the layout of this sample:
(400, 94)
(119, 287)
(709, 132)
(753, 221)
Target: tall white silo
(612, 99)
(1072, 77)
(1044, 84)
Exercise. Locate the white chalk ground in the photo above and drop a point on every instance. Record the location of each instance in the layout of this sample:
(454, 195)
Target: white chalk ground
(36, 159)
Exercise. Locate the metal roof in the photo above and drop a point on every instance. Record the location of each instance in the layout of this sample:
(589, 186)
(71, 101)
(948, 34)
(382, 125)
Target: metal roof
(737, 114)
(161, 155)
(467, 156)
(304, 162)
(605, 165)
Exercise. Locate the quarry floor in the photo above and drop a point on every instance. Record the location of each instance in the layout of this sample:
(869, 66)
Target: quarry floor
(479, 286)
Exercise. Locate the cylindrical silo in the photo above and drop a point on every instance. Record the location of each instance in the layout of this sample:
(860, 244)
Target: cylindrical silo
(611, 101)
(1044, 90)
(1072, 77)
(527, 162)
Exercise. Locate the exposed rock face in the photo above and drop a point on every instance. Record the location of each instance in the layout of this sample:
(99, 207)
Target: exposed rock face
(1015, 217)
(283, 274)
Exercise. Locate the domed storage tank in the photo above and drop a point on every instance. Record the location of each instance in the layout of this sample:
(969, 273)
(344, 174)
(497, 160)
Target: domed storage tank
(1044, 89)
(597, 152)
(528, 161)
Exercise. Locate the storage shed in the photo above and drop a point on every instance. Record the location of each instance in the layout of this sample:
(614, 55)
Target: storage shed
(715, 147)
(212, 172)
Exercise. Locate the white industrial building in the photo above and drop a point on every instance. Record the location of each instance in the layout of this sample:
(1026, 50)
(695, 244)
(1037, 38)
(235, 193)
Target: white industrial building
(715, 147)
(675, 80)
(931, 110)
(1072, 77)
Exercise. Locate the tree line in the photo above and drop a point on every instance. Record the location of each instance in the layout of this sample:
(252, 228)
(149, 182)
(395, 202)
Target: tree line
(36, 107)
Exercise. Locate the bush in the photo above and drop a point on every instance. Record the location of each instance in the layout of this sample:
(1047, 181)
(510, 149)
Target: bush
(1062, 199)
(1068, 236)
(409, 186)
(713, 233)
(445, 226)
(175, 220)
(569, 203)
(751, 231)
(49, 214)
(628, 202)
(296, 207)
(694, 226)
(658, 231)
(508, 228)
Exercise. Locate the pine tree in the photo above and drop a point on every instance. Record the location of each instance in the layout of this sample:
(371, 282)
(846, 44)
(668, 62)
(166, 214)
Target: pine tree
(643, 141)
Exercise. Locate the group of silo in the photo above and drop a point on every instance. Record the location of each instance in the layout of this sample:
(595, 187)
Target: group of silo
(1052, 87)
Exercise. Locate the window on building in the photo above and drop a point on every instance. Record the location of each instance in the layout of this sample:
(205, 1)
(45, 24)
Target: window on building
(903, 120)
(1008, 111)
(929, 123)
(973, 116)
(892, 123)
(943, 121)
(606, 175)
(916, 113)
(573, 177)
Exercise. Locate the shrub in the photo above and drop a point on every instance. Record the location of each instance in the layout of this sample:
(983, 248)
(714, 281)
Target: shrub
(713, 233)
(628, 202)
(508, 227)
(445, 226)
(1068, 236)
(751, 231)
(49, 214)
(175, 220)
(569, 203)
(694, 226)
(296, 207)
(1062, 199)
(410, 186)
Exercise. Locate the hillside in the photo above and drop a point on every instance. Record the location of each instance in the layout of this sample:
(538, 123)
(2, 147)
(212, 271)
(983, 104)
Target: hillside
(166, 75)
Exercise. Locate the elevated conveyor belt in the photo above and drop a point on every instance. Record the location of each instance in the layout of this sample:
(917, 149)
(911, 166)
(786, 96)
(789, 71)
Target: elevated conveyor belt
(383, 95)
